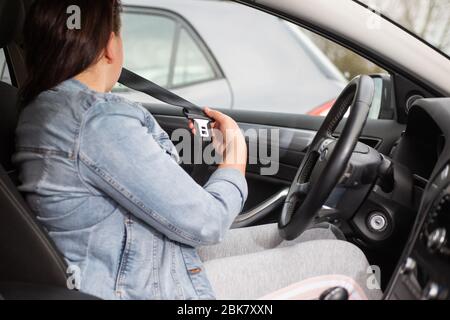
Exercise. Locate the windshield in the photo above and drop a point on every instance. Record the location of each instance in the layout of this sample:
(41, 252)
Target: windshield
(427, 19)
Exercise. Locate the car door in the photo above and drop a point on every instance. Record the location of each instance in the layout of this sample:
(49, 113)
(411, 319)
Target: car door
(280, 123)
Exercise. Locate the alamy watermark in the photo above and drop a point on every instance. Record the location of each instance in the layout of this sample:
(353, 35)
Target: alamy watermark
(263, 149)
(73, 277)
(379, 8)
(374, 278)
(74, 19)
(375, 18)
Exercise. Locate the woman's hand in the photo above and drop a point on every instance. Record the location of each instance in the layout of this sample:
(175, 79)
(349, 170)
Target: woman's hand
(228, 140)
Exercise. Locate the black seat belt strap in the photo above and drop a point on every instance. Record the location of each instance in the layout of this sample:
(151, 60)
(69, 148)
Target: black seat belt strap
(190, 110)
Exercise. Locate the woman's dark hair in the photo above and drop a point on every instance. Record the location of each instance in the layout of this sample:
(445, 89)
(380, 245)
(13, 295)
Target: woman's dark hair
(56, 48)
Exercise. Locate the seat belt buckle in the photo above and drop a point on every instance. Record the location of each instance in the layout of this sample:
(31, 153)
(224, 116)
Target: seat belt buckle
(202, 124)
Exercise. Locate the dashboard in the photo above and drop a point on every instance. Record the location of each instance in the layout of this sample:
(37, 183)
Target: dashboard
(421, 145)
(423, 271)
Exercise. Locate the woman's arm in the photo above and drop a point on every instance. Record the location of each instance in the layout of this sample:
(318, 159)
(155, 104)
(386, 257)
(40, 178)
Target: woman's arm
(122, 159)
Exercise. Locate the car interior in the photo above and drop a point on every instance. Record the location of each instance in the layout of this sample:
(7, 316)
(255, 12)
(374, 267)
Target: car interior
(393, 203)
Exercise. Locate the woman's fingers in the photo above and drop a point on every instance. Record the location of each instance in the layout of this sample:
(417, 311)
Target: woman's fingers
(220, 121)
(216, 115)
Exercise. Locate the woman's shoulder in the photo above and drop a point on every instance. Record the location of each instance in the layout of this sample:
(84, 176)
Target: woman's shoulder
(110, 104)
(75, 101)
(93, 104)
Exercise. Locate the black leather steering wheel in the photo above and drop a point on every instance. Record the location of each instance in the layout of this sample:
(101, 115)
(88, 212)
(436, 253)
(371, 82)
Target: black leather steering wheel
(326, 159)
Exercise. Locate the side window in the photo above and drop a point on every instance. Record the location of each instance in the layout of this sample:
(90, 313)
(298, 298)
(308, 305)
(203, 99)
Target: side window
(159, 47)
(267, 65)
(4, 72)
(191, 65)
(149, 45)
(339, 65)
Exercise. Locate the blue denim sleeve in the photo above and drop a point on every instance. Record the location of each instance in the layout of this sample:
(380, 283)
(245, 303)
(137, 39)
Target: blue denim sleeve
(121, 158)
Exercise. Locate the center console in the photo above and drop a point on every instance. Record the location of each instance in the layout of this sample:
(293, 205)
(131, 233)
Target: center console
(424, 269)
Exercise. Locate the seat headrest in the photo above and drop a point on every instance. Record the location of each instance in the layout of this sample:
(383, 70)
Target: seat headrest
(11, 19)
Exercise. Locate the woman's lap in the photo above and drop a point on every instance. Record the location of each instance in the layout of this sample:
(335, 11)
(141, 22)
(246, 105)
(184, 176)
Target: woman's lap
(254, 262)
(256, 239)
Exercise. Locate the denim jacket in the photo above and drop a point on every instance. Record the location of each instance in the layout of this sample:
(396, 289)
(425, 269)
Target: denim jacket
(103, 179)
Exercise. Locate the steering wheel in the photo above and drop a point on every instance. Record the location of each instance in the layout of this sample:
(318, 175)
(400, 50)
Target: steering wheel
(326, 159)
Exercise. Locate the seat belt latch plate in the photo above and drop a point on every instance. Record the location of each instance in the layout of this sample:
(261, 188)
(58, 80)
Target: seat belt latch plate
(202, 127)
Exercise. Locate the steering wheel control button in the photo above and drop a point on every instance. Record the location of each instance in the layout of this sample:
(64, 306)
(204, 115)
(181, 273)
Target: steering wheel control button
(378, 222)
(437, 240)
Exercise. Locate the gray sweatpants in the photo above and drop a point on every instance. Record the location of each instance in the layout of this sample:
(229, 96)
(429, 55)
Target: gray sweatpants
(253, 262)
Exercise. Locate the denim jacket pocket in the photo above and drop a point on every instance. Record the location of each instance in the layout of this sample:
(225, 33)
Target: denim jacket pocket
(122, 269)
(197, 274)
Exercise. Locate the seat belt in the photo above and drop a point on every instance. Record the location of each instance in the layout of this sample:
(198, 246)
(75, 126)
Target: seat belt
(190, 110)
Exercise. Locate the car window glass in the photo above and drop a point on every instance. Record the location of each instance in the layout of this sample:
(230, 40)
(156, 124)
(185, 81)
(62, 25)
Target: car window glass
(191, 65)
(148, 45)
(4, 72)
(350, 65)
(285, 69)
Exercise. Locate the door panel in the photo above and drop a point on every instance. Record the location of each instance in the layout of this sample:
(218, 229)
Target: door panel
(295, 134)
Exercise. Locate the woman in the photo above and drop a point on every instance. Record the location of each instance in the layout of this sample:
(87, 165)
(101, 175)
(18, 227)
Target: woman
(103, 178)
